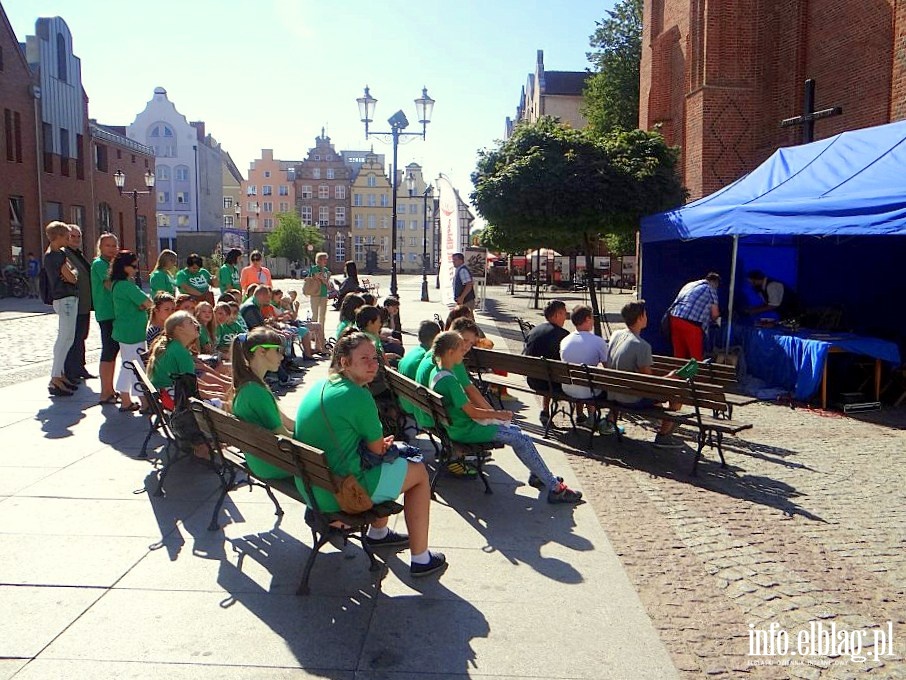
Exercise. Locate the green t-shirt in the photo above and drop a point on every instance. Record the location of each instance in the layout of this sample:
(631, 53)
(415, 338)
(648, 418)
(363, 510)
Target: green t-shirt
(228, 277)
(314, 271)
(204, 338)
(100, 295)
(425, 371)
(255, 404)
(162, 281)
(176, 360)
(200, 280)
(351, 418)
(130, 321)
(462, 427)
(341, 327)
(226, 332)
(408, 366)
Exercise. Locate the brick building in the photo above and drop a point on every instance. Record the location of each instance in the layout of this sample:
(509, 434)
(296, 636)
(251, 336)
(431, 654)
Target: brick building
(719, 77)
(323, 199)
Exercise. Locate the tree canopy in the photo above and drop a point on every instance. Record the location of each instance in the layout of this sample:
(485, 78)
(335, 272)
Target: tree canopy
(612, 92)
(291, 238)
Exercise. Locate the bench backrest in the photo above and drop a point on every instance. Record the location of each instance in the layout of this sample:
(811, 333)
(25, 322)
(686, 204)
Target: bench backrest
(282, 452)
(716, 374)
(655, 387)
(420, 396)
(484, 360)
(147, 388)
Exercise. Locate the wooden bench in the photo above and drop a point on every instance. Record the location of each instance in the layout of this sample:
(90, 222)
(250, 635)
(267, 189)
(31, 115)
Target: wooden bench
(233, 438)
(708, 371)
(373, 288)
(158, 421)
(447, 451)
(525, 327)
(694, 395)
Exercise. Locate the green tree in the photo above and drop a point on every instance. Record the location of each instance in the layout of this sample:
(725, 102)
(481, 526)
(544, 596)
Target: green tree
(612, 92)
(549, 186)
(291, 238)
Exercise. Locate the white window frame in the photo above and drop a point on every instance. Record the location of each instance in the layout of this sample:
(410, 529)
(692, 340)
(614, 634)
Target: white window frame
(306, 191)
(323, 191)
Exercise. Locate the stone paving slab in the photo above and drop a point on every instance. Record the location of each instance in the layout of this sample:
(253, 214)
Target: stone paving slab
(46, 669)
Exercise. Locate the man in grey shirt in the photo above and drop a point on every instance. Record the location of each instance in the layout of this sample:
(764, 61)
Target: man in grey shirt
(75, 359)
(630, 352)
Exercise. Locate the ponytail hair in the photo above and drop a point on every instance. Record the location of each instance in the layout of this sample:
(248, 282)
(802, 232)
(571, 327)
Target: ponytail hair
(346, 345)
(241, 355)
(445, 342)
(162, 341)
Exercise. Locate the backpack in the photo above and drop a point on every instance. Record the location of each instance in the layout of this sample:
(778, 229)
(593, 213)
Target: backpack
(44, 287)
(182, 421)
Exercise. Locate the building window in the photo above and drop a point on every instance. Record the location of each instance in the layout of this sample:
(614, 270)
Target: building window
(163, 220)
(306, 214)
(323, 216)
(182, 221)
(317, 157)
(357, 219)
(385, 222)
(252, 190)
(182, 173)
(182, 197)
(316, 173)
(340, 216)
(339, 192)
(163, 196)
(227, 202)
(413, 209)
(104, 217)
(356, 199)
(323, 191)
(252, 206)
(48, 147)
(80, 157)
(61, 58)
(372, 200)
(372, 181)
(228, 221)
(385, 200)
(8, 130)
(267, 206)
(359, 249)
(401, 224)
(77, 215)
(372, 222)
(162, 173)
(339, 253)
(306, 191)
(283, 190)
(330, 173)
(268, 223)
(412, 242)
(413, 225)
(284, 206)
(16, 220)
(267, 190)
(267, 173)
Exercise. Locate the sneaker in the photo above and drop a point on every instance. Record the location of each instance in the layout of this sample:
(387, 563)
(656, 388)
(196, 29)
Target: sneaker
(460, 468)
(392, 538)
(544, 417)
(535, 481)
(563, 494)
(436, 562)
(606, 427)
(667, 441)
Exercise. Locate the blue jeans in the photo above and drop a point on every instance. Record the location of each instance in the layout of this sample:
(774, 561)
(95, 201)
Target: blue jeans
(67, 310)
(526, 451)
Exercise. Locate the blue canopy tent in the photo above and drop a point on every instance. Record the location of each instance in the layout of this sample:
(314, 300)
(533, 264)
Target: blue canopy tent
(827, 218)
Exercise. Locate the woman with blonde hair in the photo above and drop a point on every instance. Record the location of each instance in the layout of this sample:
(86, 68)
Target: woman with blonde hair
(338, 415)
(62, 285)
(320, 271)
(163, 276)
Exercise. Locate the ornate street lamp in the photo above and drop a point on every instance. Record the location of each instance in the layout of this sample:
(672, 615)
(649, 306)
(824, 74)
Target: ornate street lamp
(424, 107)
(119, 178)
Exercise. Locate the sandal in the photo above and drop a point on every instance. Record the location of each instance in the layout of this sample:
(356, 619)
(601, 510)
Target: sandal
(112, 399)
(459, 468)
(134, 406)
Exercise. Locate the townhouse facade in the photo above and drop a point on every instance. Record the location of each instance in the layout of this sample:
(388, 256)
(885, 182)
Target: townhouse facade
(371, 212)
(414, 220)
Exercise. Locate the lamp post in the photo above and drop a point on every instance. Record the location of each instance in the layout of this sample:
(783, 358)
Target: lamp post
(424, 106)
(236, 224)
(119, 178)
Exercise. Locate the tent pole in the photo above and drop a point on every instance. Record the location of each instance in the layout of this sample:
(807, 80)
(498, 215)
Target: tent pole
(732, 293)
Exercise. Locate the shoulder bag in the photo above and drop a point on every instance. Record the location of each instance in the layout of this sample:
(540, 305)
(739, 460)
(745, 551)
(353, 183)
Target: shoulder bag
(351, 495)
(312, 285)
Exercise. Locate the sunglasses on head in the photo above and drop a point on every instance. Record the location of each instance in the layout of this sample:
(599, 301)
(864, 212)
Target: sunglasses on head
(264, 346)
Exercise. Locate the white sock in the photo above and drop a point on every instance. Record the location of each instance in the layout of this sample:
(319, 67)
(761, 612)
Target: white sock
(421, 558)
(377, 533)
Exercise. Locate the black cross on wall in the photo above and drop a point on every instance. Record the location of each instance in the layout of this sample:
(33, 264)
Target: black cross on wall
(809, 115)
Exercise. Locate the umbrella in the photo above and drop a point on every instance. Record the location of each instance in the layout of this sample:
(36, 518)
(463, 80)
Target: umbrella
(544, 252)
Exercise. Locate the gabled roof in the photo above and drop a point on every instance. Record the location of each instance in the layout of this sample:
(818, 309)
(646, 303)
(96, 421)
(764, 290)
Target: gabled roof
(570, 83)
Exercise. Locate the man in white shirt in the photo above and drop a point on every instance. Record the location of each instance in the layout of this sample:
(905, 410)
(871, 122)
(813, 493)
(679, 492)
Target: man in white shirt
(584, 347)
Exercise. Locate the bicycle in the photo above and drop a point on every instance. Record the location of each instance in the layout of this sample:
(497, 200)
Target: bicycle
(15, 283)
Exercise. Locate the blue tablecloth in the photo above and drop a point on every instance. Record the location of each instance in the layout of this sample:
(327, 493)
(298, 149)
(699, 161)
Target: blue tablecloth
(795, 361)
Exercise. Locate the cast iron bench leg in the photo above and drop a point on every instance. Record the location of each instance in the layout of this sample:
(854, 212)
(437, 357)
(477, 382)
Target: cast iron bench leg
(151, 429)
(164, 470)
(303, 585)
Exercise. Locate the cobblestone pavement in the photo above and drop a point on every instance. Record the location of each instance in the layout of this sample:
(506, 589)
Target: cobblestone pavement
(806, 524)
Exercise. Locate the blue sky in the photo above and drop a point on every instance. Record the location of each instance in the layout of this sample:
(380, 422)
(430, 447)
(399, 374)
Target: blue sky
(270, 73)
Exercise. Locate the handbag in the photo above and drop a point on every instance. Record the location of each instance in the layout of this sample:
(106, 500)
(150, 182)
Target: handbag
(665, 321)
(311, 286)
(351, 495)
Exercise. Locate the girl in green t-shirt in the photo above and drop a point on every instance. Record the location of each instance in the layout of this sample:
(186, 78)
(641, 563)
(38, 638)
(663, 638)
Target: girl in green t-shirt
(254, 356)
(207, 328)
(228, 274)
(337, 416)
(351, 304)
(170, 355)
(473, 425)
(162, 276)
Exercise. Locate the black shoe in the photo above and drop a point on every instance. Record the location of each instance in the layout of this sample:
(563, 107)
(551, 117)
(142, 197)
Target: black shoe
(392, 538)
(436, 562)
(85, 375)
